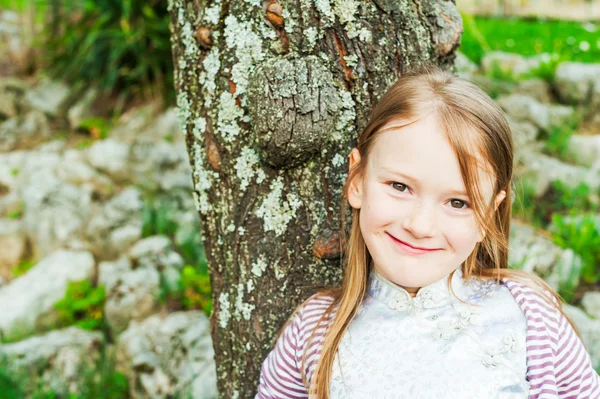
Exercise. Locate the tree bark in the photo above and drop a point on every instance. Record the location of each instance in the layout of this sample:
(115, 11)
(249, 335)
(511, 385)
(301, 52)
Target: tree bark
(272, 96)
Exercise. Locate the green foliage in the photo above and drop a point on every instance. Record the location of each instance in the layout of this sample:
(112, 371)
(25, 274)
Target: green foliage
(157, 218)
(582, 234)
(560, 198)
(98, 128)
(571, 200)
(99, 381)
(574, 41)
(22, 267)
(82, 306)
(114, 45)
(558, 140)
(194, 290)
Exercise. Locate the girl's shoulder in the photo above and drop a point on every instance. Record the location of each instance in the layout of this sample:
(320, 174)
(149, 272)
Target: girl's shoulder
(313, 313)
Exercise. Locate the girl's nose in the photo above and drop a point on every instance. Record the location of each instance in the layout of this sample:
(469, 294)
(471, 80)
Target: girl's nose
(420, 222)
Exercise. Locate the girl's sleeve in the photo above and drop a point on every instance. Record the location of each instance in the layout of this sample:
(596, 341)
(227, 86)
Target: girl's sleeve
(575, 376)
(280, 376)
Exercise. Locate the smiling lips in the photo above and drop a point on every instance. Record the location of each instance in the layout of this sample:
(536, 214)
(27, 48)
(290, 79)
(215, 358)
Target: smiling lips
(406, 247)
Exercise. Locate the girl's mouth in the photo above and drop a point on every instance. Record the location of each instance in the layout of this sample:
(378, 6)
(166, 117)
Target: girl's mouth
(410, 249)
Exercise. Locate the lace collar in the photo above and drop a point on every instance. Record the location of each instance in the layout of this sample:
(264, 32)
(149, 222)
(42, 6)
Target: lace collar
(397, 298)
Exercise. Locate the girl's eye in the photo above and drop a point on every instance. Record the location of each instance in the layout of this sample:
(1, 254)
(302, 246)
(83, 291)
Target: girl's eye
(399, 187)
(458, 204)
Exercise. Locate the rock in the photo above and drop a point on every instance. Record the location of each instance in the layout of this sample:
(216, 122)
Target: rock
(524, 134)
(134, 296)
(512, 64)
(543, 170)
(134, 123)
(111, 157)
(56, 212)
(164, 127)
(24, 131)
(161, 166)
(14, 246)
(55, 362)
(591, 304)
(169, 357)
(82, 109)
(574, 81)
(584, 150)
(119, 218)
(8, 104)
(532, 252)
(156, 252)
(526, 109)
(465, 68)
(49, 97)
(73, 169)
(28, 300)
(589, 329)
(537, 89)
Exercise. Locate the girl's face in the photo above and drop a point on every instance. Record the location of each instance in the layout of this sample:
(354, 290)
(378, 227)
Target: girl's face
(415, 216)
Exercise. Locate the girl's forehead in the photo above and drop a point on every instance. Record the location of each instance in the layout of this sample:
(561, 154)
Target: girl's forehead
(422, 151)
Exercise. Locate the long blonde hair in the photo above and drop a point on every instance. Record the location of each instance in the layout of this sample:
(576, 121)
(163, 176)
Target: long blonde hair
(477, 130)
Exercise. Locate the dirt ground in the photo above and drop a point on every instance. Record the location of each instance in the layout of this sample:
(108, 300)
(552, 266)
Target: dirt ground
(580, 10)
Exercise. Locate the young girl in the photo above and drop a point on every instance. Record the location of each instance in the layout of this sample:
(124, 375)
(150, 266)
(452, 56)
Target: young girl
(428, 307)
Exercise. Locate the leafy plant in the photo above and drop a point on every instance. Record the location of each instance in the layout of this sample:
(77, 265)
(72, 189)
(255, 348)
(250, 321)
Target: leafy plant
(112, 44)
(582, 234)
(22, 267)
(98, 380)
(82, 305)
(97, 127)
(157, 218)
(570, 40)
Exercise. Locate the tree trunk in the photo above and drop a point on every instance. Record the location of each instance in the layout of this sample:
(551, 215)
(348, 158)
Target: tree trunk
(272, 96)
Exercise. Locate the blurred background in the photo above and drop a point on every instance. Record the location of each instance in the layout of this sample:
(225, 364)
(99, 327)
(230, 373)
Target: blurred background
(104, 291)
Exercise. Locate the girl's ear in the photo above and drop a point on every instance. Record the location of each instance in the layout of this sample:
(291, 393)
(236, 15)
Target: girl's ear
(355, 190)
(497, 201)
(499, 198)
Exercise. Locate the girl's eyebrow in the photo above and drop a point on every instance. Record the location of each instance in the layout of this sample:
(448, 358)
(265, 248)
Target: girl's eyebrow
(413, 180)
(401, 175)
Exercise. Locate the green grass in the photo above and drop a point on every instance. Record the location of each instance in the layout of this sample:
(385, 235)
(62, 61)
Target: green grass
(529, 37)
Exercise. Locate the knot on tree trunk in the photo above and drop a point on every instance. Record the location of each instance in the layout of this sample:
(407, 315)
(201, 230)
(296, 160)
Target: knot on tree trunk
(294, 106)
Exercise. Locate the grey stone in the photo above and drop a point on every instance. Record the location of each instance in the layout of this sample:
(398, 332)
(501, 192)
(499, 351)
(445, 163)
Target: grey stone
(536, 88)
(111, 157)
(543, 170)
(513, 64)
(54, 362)
(574, 81)
(49, 97)
(24, 131)
(55, 211)
(133, 297)
(13, 242)
(119, 217)
(533, 252)
(170, 355)
(465, 68)
(526, 109)
(584, 150)
(591, 303)
(28, 300)
(82, 109)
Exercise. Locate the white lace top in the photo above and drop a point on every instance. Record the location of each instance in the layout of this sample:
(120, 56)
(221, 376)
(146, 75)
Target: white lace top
(433, 345)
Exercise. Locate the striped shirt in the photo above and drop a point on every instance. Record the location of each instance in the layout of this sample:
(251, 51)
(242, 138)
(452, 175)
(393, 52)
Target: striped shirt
(558, 366)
